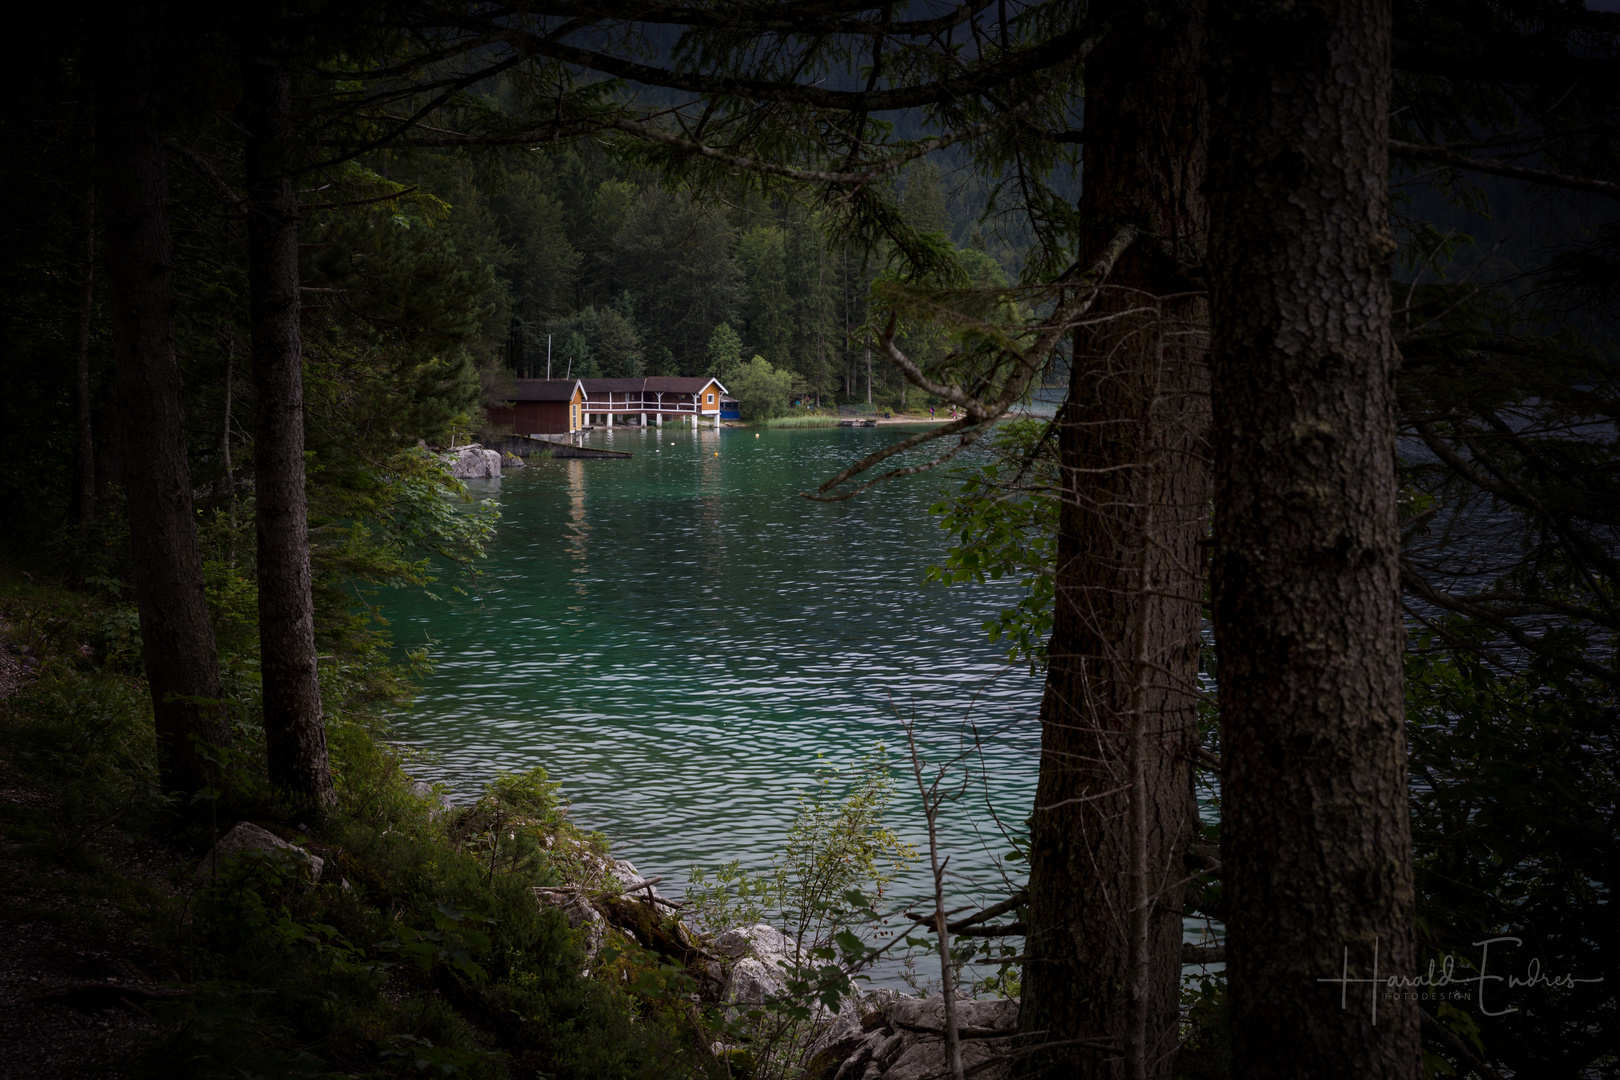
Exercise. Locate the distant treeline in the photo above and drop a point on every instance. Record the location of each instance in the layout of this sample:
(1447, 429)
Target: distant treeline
(627, 277)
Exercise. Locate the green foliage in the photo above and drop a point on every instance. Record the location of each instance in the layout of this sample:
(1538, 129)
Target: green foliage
(1005, 518)
(521, 827)
(409, 957)
(574, 359)
(983, 271)
(838, 843)
(724, 353)
(761, 391)
(762, 256)
(675, 257)
(598, 343)
(828, 880)
(923, 203)
(87, 729)
(1515, 777)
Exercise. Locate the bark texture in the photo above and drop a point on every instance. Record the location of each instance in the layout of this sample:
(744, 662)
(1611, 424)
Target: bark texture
(177, 639)
(1114, 807)
(295, 734)
(1316, 853)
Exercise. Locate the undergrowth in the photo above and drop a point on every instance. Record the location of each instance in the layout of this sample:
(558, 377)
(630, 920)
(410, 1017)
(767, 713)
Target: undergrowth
(420, 951)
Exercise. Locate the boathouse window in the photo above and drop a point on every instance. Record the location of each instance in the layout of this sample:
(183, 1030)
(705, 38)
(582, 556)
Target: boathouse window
(711, 399)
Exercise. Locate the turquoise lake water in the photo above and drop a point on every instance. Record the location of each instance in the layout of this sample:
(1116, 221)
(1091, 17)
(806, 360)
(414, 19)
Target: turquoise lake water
(681, 640)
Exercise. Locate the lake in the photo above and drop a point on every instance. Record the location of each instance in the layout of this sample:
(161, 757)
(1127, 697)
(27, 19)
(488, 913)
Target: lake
(681, 640)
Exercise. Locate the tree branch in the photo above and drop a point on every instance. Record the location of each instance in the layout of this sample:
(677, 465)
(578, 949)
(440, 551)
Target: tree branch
(980, 414)
(1440, 156)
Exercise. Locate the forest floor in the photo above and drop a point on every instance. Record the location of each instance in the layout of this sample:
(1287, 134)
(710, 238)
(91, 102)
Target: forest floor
(75, 971)
(418, 953)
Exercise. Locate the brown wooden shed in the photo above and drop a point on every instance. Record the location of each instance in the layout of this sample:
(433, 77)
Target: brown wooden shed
(543, 407)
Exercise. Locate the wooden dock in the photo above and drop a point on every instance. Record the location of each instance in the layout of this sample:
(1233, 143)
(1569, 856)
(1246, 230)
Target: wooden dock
(571, 450)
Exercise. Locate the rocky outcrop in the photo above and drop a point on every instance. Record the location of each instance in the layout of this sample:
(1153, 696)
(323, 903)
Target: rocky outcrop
(612, 893)
(880, 1034)
(510, 460)
(249, 840)
(896, 1037)
(753, 962)
(474, 463)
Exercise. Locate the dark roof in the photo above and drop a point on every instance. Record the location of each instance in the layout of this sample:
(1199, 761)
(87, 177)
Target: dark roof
(603, 386)
(669, 384)
(660, 384)
(543, 389)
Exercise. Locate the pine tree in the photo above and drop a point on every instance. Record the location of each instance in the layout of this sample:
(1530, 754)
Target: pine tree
(724, 352)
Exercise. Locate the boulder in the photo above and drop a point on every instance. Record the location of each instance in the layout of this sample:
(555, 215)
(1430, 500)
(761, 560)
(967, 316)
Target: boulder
(758, 941)
(429, 793)
(474, 463)
(753, 982)
(846, 1025)
(511, 461)
(248, 837)
(754, 958)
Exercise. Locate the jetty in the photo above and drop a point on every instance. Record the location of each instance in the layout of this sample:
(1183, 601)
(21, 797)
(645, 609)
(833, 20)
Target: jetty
(567, 450)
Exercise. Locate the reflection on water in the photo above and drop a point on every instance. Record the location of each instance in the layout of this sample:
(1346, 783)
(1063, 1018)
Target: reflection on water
(681, 640)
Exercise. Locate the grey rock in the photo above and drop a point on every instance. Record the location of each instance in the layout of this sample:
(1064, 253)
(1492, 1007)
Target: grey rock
(512, 461)
(990, 1014)
(425, 790)
(475, 463)
(621, 874)
(759, 941)
(247, 837)
(846, 1023)
(753, 982)
(907, 1043)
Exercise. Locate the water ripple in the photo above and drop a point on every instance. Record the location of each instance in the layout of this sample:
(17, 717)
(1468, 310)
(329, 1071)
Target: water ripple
(682, 641)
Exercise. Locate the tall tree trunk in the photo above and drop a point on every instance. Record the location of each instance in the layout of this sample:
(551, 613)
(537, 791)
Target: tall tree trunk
(225, 444)
(177, 639)
(1316, 854)
(84, 492)
(1114, 808)
(295, 736)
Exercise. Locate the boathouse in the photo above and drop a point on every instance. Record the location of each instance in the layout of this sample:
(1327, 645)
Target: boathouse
(543, 406)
